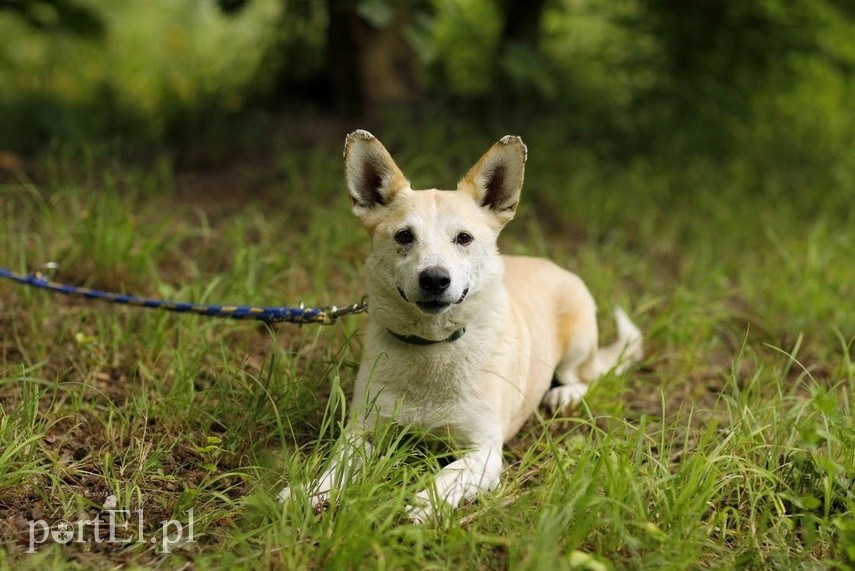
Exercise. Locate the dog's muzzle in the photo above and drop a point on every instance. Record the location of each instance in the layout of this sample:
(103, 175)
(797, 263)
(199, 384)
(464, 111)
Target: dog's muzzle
(435, 305)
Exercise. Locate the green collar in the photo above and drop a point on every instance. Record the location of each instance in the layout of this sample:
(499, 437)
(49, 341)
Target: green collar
(416, 340)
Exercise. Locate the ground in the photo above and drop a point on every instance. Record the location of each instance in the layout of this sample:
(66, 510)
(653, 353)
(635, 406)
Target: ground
(730, 445)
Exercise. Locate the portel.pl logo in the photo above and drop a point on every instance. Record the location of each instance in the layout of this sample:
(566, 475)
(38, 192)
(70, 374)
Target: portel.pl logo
(112, 526)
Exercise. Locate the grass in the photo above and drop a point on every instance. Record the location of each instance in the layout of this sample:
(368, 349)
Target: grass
(733, 445)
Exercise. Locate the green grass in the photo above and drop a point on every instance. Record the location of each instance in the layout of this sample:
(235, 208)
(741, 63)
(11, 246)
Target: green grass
(733, 445)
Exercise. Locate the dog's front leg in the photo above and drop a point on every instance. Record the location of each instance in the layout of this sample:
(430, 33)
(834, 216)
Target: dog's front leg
(349, 454)
(476, 471)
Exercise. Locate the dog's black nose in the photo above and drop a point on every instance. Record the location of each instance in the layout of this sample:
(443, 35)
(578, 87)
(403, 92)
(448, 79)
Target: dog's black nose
(434, 279)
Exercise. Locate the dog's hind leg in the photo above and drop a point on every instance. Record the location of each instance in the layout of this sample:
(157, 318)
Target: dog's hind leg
(571, 387)
(580, 351)
(618, 356)
(584, 362)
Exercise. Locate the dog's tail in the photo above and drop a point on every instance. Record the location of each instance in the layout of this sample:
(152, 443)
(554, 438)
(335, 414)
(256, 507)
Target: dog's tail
(627, 350)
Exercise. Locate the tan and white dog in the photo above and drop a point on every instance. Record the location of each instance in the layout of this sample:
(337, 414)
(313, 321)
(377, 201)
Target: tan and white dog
(461, 341)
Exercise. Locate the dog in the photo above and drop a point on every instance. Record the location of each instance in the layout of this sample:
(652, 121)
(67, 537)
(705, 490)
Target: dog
(461, 341)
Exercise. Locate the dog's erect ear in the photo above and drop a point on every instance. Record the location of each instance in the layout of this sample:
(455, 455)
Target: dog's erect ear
(496, 180)
(372, 176)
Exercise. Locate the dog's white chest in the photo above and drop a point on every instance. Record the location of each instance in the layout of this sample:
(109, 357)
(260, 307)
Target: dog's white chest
(431, 388)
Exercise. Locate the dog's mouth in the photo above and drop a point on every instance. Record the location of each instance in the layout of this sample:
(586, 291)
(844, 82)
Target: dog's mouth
(435, 305)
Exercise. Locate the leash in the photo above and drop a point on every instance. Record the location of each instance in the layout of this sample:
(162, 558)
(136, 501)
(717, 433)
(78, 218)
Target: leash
(300, 314)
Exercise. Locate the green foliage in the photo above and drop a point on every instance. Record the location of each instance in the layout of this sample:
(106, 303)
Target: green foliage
(57, 15)
(712, 44)
(770, 82)
(231, 6)
(160, 65)
(465, 35)
(728, 67)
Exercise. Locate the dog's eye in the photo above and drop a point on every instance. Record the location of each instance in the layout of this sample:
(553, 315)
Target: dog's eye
(463, 239)
(404, 237)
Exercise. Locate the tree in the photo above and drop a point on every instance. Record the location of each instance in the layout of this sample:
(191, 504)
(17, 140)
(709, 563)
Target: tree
(721, 64)
(714, 46)
(519, 62)
(368, 57)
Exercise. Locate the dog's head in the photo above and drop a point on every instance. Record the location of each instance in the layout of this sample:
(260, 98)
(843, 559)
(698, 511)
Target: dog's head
(432, 249)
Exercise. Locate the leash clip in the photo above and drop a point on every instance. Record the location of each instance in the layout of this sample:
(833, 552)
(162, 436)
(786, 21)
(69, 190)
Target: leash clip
(333, 312)
(47, 270)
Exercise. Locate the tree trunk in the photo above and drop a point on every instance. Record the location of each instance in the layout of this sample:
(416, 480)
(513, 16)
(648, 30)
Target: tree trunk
(522, 22)
(369, 66)
(520, 34)
(343, 58)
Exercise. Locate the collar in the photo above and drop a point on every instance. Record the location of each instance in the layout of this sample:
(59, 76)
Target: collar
(416, 340)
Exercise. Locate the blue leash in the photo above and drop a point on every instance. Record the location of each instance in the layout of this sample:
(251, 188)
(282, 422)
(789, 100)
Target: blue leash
(300, 314)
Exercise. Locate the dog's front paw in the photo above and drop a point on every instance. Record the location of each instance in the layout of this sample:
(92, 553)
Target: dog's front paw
(284, 496)
(420, 514)
(423, 510)
(563, 396)
(319, 499)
